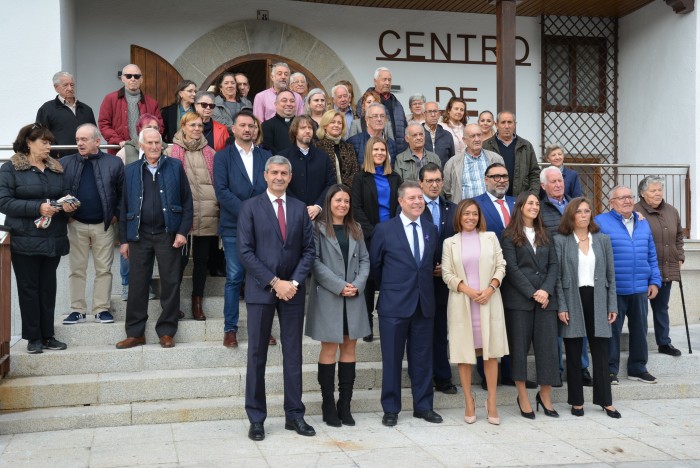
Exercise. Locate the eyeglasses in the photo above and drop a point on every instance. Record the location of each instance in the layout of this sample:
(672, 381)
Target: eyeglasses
(377, 117)
(433, 181)
(624, 198)
(432, 111)
(207, 105)
(498, 177)
(135, 76)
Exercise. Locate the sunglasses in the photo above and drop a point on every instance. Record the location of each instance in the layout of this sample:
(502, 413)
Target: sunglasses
(207, 105)
(135, 76)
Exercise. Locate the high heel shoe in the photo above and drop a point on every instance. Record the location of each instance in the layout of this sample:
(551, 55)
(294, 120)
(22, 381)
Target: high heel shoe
(530, 415)
(613, 413)
(577, 411)
(471, 419)
(496, 421)
(552, 413)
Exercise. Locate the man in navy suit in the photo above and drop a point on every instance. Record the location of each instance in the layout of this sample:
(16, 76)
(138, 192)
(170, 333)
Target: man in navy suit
(276, 247)
(238, 176)
(440, 212)
(403, 255)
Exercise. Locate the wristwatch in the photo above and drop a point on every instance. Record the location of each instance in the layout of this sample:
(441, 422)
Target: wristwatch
(295, 283)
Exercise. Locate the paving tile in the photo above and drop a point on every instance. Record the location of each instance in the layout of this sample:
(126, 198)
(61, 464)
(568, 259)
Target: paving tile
(620, 449)
(232, 448)
(683, 447)
(549, 452)
(4, 441)
(207, 430)
(242, 462)
(478, 454)
(74, 457)
(640, 427)
(325, 459)
(367, 434)
(393, 457)
(569, 427)
(50, 440)
(444, 434)
(128, 435)
(149, 454)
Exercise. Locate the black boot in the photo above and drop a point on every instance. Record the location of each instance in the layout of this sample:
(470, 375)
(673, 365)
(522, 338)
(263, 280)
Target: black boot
(346, 380)
(326, 379)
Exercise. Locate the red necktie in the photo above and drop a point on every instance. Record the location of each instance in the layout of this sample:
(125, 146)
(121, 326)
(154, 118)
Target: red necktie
(280, 218)
(504, 211)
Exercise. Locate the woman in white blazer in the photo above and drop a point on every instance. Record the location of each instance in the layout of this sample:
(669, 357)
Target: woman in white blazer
(472, 268)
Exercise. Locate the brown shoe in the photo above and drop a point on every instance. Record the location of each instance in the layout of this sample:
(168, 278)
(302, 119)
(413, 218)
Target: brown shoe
(230, 340)
(131, 342)
(167, 342)
(197, 311)
(273, 341)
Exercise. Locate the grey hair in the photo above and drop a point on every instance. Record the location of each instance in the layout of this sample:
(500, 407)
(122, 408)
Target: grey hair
(278, 160)
(549, 149)
(278, 64)
(500, 113)
(296, 75)
(149, 129)
(200, 94)
(58, 75)
(543, 173)
(611, 194)
(649, 180)
(95, 131)
(379, 70)
(376, 104)
(416, 97)
(338, 86)
(310, 94)
(407, 185)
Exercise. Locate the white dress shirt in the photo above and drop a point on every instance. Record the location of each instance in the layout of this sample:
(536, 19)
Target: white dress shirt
(273, 199)
(586, 264)
(408, 229)
(498, 206)
(247, 160)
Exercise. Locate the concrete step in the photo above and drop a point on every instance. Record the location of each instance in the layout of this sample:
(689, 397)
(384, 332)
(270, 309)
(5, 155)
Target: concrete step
(207, 409)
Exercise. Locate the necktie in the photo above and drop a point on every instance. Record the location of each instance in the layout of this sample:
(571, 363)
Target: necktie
(435, 212)
(281, 219)
(416, 244)
(504, 211)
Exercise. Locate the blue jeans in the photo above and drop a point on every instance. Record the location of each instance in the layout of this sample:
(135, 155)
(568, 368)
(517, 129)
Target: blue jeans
(635, 308)
(234, 279)
(659, 309)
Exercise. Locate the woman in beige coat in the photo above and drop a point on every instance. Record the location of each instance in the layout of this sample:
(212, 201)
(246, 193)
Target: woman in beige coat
(472, 268)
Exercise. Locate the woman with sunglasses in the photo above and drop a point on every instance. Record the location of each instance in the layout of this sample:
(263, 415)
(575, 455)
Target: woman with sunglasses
(215, 133)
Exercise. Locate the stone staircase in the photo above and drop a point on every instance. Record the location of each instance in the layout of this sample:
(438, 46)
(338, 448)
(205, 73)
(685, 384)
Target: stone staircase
(93, 384)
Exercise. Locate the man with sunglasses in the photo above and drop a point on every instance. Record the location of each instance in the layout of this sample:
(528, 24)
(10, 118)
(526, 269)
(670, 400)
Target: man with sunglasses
(464, 173)
(121, 109)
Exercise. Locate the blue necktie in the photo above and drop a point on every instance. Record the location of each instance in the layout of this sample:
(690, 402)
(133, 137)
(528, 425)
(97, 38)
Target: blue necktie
(416, 244)
(435, 212)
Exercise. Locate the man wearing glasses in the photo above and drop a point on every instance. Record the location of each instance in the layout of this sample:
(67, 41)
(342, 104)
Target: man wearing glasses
(464, 173)
(376, 121)
(121, 109)
(637, 279)
(437, 139)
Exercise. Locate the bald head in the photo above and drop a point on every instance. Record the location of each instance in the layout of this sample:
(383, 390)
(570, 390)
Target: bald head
(472, 138)
(132, 77)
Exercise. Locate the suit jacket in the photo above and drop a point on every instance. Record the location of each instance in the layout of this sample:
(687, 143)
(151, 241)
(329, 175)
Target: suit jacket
(232, 185)
(604, 291)
(443, 146)
(265, 255)
(446, 230)
(276, 134)
(526, 272)
(493, 219)
(311, 175)
(402, 285)
(365, 201)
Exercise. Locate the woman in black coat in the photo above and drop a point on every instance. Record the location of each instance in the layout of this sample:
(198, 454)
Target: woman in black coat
(184, 102)
(375, 198)
(28, 185)
(530, 305)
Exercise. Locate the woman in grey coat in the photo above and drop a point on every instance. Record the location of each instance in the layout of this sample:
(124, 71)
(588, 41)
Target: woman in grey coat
(337, 314)
(587, 301)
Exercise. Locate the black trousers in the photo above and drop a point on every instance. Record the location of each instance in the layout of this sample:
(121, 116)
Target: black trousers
(602, 394)
(36, 291)
(200, 259)
(141, 257)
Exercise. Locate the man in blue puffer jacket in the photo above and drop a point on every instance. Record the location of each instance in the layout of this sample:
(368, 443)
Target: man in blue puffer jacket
(637, 278)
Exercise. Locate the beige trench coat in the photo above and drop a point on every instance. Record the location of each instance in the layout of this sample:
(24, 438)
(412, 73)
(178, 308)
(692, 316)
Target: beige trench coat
(459, 323)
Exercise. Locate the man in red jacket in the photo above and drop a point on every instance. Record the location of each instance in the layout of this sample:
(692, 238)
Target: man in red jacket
(121, 109)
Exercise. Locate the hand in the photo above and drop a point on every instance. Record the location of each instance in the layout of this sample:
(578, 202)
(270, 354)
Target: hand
(122, 143)
(68, 207)
(124, 250)
(349, 291)
(464, 289)
(652, 291)
(640, 216)
(545, 304)
(484, 296)
(114, 220)
(612, 316)
(438, 270)
(564, 317)
(541, 296)
(285, 290)
(180, 240)
(47, 210)
(313, 211)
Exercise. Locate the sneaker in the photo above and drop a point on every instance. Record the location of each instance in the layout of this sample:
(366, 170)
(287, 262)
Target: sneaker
(125, 292)
(35, 347)
(614, 380)
(73, 318)
(670, 350)
(104, 317)
(53, 344)
(645, 377)
(151, 293)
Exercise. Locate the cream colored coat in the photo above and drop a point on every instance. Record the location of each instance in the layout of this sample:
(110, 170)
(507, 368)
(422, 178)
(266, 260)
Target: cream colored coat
(459, 323)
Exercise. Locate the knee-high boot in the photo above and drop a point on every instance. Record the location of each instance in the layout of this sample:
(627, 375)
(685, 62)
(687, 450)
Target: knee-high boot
(326, 379)
(346, 381)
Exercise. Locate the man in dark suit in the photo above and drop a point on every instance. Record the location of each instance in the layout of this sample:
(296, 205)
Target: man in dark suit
(440, 212)
(437, 139)
(276, 129)
(276, 247)
(312, 168)
(403, 255)
(238, 176)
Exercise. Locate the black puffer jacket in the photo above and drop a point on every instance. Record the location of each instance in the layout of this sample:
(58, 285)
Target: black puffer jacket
(23, 188)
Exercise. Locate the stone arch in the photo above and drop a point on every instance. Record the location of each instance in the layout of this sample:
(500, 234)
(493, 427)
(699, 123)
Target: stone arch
(231, 42)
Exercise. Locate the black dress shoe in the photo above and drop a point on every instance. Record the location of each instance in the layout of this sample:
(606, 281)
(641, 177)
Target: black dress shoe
(369, 338)
(390, 419)
(446, 387)
(670, 350)
(256, 431)
(430, 416)
(586, 378)
(300, 426)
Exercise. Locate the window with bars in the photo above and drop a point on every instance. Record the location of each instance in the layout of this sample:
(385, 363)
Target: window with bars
(575, 74)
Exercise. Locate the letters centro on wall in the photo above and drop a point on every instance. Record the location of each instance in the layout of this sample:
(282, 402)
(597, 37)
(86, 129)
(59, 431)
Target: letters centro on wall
(462, 49)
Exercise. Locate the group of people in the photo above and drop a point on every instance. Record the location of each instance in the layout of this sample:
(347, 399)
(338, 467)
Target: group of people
(476, 253)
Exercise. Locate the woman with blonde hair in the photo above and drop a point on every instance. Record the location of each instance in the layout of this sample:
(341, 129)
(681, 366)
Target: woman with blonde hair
(330, 140)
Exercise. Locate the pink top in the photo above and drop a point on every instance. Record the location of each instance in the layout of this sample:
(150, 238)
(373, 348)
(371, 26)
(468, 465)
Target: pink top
(264, 104)
(471, 251)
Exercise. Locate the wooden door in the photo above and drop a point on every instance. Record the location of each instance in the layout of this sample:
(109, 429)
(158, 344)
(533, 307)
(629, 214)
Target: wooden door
(160, 78)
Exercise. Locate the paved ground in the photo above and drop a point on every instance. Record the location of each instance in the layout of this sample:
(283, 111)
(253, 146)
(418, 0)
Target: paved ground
(650, 433)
